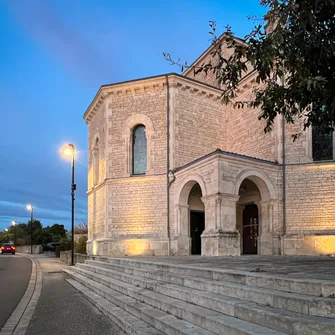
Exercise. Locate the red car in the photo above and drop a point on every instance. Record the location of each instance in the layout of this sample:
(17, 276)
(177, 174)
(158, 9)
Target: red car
(8, 249)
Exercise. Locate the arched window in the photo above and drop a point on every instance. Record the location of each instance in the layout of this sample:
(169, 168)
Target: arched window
(139, 150)
(96, 162)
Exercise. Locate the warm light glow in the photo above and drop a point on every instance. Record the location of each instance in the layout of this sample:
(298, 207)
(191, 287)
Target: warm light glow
(29, 207)
(68, 150)
(137, 247)
(6, 229)
(13, 223)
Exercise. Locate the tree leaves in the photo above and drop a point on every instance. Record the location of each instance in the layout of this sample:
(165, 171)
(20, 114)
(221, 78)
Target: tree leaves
(296, 40)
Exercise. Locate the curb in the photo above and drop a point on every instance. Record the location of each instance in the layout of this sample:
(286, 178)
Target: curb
(19, 321)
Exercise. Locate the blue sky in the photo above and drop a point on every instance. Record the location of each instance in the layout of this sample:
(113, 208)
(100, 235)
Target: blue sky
(55, 55)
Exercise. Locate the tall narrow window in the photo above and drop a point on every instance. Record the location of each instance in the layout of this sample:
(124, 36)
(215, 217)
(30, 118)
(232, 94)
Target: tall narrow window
(322, 145)
(139, 150)
(96, 162)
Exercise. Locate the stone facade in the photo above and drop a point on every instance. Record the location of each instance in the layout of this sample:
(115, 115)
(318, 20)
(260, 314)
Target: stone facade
(213, 182)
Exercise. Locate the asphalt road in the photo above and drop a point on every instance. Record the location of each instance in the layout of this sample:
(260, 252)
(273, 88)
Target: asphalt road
(15, 272)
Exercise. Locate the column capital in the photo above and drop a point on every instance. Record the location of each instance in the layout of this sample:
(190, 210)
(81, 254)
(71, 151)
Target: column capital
(268, 202)
(221, 196)
(182, 206)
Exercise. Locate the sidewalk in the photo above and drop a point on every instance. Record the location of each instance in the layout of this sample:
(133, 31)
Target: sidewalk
(62, 310)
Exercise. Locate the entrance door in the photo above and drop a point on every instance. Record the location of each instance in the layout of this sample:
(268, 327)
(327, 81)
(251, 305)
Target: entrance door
(197, 224)
(250, 229)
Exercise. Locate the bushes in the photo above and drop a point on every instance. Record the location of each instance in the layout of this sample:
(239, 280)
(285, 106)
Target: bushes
(80, 246)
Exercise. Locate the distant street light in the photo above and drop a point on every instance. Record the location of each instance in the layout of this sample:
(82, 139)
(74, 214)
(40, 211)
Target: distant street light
(69, 150)
(6, 230)
(14, 224)
(31, 210)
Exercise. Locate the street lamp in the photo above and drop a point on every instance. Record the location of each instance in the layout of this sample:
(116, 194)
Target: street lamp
(6, 230)
(14, 224)
(69, 150)
(31, 210)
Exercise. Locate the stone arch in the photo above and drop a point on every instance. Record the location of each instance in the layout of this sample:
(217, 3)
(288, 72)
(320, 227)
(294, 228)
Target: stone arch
(261, 180)
(183, 218)
(95, 139)
(265, 211)
(136, 120)
(186, 186)
(96, 161)
(129, 125)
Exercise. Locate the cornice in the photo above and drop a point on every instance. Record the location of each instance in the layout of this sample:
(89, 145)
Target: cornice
(248, 82)
(147, 84)
(224, 156)
(127, 87)
(195, 87)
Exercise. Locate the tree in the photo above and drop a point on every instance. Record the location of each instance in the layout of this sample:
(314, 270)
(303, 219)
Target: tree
(82, 228)
(296, 39)
(37, 229)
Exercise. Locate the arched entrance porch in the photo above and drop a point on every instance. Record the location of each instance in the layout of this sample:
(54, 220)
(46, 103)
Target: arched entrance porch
(247, 217)
(255, 213)
(190, 217)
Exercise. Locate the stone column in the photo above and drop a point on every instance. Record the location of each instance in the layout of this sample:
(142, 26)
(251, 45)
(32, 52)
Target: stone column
(183, 230)
(239, 223)
(220, 237)
(266, 218)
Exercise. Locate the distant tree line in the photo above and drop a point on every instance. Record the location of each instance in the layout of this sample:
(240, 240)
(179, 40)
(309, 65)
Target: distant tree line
(41, 235)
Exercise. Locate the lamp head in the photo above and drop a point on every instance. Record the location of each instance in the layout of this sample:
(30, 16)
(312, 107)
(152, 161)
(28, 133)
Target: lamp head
(13, 223)
(30, 207)
(6, 229)
(68, 150)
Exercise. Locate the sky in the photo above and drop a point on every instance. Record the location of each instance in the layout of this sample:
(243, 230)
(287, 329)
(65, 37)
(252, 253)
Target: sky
(55, 55)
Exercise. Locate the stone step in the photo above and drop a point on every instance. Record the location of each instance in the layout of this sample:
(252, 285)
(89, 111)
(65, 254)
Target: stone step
(205, 318)
(288, 322)
(315, 287)
(162, 322)
(124, 320)
(299, 303)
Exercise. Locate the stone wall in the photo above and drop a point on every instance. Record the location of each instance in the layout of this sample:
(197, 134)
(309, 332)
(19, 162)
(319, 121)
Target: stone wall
(97, 213)
(26, 249)
(65, 256)
(132, 105)
(123, 218)
(245, 134)
(197, 122)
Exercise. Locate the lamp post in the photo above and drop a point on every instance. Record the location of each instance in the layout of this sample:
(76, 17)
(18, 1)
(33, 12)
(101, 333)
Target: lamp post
(6, 230)
(69, 150)
(14, 224)
(31, 210)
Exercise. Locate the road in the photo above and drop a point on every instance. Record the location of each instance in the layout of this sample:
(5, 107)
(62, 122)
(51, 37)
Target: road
(15, 272)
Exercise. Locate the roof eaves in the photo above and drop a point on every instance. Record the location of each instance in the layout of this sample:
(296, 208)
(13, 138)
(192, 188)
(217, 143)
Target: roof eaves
(207, 50)
(225, 153)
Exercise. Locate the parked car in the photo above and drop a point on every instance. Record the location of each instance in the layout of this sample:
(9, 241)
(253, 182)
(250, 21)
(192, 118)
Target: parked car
(8, 248)
(52, 246)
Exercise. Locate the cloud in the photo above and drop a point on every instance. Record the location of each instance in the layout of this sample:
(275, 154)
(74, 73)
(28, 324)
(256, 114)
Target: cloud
(72, 50)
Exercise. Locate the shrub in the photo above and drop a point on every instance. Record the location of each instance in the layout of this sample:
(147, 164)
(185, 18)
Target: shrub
(80, 246)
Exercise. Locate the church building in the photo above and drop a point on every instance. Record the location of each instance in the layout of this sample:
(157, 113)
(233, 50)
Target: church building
(174, 171)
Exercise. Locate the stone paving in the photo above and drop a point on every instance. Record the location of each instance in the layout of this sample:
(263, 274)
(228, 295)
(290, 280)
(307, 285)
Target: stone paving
(301, 267)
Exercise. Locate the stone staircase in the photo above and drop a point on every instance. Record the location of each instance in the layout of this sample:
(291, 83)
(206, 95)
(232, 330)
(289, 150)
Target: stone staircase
(151, 297)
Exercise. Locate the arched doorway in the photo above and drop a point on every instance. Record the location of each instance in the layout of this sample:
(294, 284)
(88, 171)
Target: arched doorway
(197, 218)
(190, 216)
(247, 217)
